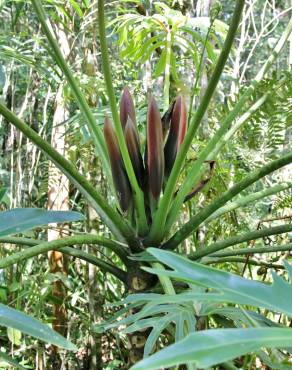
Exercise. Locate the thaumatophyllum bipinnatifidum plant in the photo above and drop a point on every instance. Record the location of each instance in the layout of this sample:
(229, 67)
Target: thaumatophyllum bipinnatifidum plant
(151, 188)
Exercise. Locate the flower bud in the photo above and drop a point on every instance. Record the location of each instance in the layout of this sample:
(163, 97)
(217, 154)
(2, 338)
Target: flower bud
(132, 141)
(178, 128)
(155, 155)
(127, 109)
(120, 178)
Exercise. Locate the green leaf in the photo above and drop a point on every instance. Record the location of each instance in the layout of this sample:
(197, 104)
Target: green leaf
(142, 50)
(2, 193)
(76, 7)
(14, 336)
(228, 287)
(156, 317)
(160, 66)
(18, 220)
(11, 318)
(210, 347)
(9, 360)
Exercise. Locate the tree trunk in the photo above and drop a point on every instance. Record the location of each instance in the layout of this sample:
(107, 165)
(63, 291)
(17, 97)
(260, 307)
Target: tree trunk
(58, 199)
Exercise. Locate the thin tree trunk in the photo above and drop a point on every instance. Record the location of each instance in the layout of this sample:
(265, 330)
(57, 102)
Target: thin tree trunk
(58, 199)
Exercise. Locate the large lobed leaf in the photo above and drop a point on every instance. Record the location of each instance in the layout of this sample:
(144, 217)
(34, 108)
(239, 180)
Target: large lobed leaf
(18, 220)
(156, 317)
(210, 347)
(225, 287)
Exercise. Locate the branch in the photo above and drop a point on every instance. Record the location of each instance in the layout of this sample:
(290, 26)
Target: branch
(251, 235)
(200, 217)
(65, 246)
(104, 266)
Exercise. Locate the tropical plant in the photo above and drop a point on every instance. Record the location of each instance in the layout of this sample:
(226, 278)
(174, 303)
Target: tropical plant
(151, 192)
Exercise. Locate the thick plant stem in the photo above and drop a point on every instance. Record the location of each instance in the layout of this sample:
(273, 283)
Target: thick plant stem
(244, 201)
(252, 235)
(200, 217)
(110, 217)
(63, 245)
(138, 194)
(248, 251)
(112, 245)
(157, 229)
(84, 108)
(215, 144)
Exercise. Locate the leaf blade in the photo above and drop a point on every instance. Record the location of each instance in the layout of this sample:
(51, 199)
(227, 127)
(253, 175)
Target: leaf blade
(18, 220)
(210, 347)
(9, 317)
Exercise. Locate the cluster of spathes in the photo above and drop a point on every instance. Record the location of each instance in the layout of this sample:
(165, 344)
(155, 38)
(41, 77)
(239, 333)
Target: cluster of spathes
(164, 138)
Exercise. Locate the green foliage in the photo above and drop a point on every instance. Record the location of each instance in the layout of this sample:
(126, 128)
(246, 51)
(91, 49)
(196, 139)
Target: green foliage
(206, 288)
(268, 126)
(10, 361)
(12, 318)
(14, 222)
(169, 37)
(18, 220)
(283, 201)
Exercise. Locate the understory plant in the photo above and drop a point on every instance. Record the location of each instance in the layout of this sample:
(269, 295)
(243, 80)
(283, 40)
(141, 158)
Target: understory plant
(147, 175)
